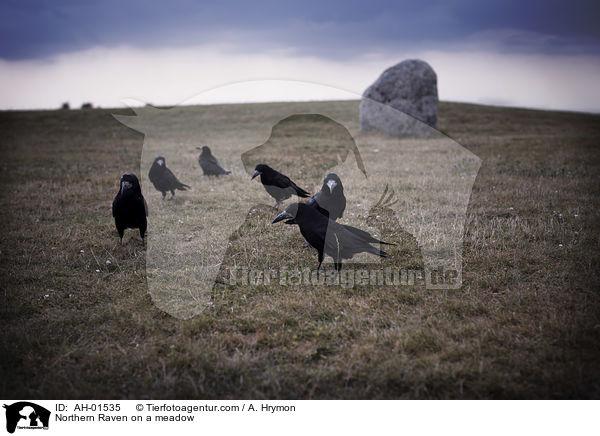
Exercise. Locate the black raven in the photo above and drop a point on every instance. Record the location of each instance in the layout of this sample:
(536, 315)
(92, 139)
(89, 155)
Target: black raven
(129, 206)
(328, 237)
(330, 200)
(210, 165)
(163, 179)
(279, 186)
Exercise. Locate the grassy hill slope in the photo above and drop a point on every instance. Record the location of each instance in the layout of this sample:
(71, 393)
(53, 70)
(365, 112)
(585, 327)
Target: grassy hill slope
(77, 320)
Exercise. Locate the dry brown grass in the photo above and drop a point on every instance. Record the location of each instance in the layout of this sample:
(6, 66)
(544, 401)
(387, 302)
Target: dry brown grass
(526, 323)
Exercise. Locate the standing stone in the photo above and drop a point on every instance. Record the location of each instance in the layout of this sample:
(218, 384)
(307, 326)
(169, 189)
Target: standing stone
(408, 88)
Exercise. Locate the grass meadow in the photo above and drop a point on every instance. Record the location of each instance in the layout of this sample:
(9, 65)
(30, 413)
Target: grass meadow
(84, 317)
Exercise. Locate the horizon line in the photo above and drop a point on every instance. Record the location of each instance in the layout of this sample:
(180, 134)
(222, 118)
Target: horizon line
(221, 103)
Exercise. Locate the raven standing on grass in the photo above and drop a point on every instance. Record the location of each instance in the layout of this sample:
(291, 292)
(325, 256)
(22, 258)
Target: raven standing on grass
(209, 164)
(279, 186)
(328, 237)
(330, 200)
(163, 179)
(129, 206)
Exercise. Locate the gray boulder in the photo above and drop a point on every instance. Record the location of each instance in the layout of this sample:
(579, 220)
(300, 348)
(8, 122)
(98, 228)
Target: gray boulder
(404, 91)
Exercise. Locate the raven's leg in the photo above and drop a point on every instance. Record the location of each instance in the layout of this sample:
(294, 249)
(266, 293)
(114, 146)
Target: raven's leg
(143, 227)
(121, 231)
(320, 261)
(164, 193)
(277, 204)
(172, 195)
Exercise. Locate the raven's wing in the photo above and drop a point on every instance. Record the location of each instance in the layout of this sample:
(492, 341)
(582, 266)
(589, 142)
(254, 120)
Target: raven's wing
(314, 202)
(212, 160)
(211, 165)
(315, 233)
(280, 181)
(284, 182)
(343, 208)
(172, 181)
(299, 191)
(366, 236)
(342, 243)
(145, 206)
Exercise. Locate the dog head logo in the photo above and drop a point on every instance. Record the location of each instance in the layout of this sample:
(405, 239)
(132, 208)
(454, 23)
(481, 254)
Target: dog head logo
(393, 186)
(26, 415)
(324, 144)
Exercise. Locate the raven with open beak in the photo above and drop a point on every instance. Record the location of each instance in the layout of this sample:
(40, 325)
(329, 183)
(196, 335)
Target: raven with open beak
(328, 237)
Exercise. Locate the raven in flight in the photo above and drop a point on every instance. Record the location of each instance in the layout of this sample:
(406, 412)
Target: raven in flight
(330, 200)
(279, 186)
(328, 237)
(129, 207)
(210, 165)
(163, 179)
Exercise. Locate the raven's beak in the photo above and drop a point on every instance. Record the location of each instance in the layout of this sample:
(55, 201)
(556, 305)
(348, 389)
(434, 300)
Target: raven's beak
(256, 173)
(160, 162)
(283, 216)
(125, 186)
(332, 184)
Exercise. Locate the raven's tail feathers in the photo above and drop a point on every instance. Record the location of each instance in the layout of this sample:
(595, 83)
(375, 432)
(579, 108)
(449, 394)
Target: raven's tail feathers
(376, 251)
(301, 192)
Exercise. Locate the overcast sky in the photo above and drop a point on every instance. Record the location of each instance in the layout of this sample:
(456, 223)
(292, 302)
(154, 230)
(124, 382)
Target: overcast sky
(525, 53)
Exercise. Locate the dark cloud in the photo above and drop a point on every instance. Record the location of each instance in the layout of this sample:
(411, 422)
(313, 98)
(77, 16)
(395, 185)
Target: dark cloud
(31, 29)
